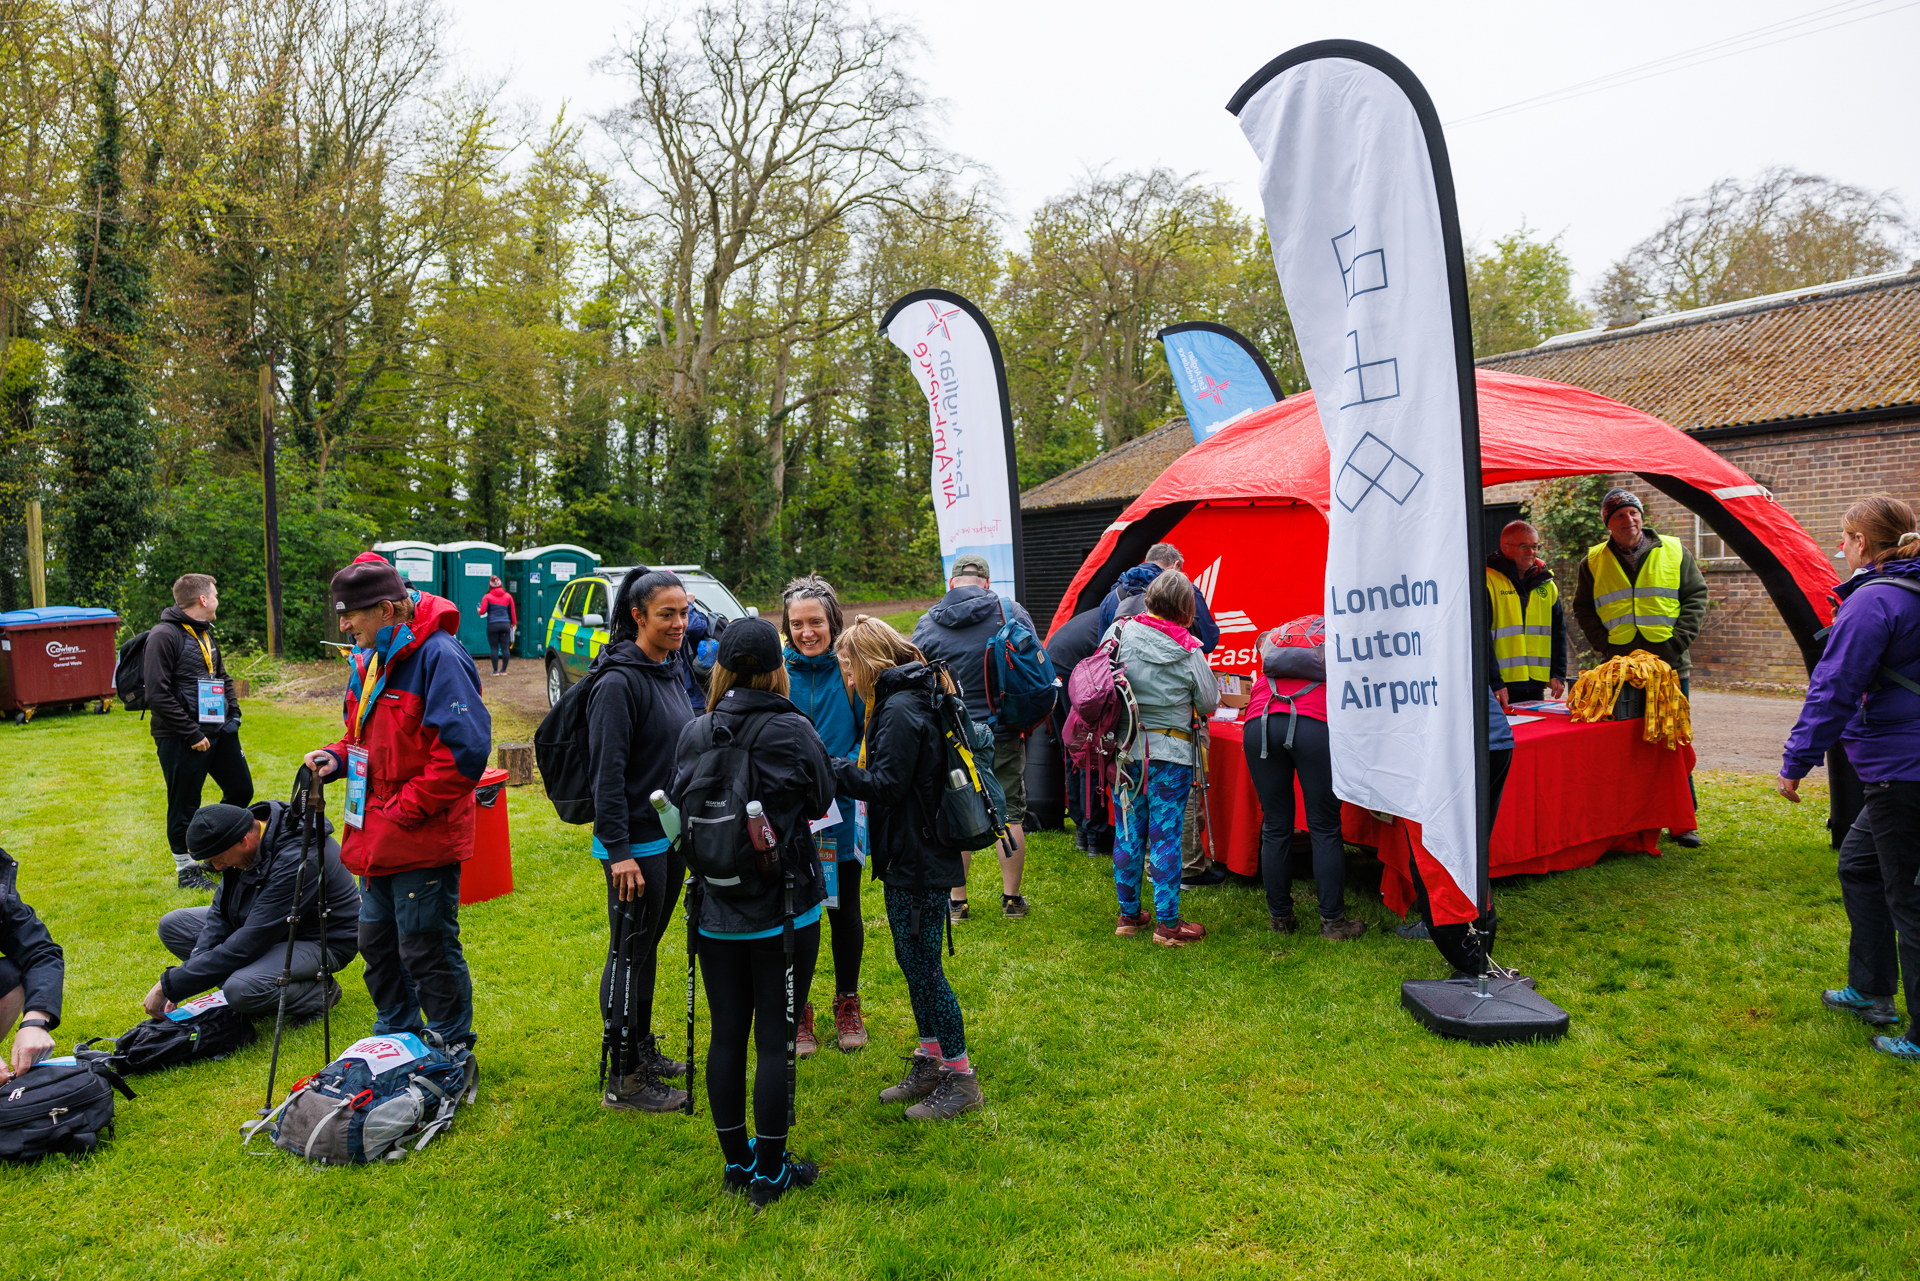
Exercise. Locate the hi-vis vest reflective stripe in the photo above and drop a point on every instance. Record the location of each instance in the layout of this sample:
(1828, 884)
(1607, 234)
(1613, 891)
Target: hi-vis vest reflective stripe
(1522, 644)
(1651, 605)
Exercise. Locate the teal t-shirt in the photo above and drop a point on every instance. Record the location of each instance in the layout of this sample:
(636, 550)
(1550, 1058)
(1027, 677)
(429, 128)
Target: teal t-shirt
(646, 849)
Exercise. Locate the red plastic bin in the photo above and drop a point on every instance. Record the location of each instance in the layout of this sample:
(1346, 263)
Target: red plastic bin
(55, 656)
(489, 873)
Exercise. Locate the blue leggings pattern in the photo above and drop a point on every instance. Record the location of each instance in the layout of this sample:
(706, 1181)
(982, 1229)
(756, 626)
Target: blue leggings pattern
(1149, 832)
(936, 1010)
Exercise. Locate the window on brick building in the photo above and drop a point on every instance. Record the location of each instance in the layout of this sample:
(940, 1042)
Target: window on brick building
(1708, 545)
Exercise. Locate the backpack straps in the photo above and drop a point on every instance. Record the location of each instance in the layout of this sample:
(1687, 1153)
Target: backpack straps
(1886, 673)
(1293, 712)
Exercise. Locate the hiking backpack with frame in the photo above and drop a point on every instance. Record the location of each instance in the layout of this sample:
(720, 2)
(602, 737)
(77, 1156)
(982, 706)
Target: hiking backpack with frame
(1103, 718)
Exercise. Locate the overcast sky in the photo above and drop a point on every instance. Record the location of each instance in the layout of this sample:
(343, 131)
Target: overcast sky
(1039, 91)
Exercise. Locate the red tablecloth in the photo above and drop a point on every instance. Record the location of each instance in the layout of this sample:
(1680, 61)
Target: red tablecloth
(1573, 793)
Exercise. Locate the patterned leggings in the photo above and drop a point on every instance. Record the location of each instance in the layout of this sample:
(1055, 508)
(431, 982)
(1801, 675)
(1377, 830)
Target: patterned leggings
(936, 1011)
(1149, 833)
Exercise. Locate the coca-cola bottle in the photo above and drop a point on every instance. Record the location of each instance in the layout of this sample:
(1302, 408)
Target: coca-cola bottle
(760, 832)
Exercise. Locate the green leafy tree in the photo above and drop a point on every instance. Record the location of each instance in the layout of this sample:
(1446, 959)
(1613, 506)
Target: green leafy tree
(1521, 293)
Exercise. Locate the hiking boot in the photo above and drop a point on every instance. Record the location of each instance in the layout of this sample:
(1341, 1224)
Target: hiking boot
(1179, 935)
(849, 1028)
(1342, 929)
(1214, 875)
(1082, 839)
(657, 1063)
(1872, 1010)
(923, 1073)
(192, 878)
(954, 1093)
(794, 1173)
(1283, 924)
(1013, 905)
(1897, 1046)
(957, 910)
(1128, 926)
(642, 1091)
(1688, 840)
(804, 1044)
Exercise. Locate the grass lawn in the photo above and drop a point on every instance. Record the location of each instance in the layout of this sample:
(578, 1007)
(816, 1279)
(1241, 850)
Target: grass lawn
(1254, 1106)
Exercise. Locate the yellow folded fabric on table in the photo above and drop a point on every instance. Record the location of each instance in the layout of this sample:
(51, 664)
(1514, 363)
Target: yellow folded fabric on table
(1668, 719)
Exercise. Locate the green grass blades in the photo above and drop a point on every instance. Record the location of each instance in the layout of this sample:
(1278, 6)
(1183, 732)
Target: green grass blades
(1253, 1106)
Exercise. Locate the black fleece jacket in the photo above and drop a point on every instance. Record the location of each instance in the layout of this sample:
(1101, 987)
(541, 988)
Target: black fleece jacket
(794, 776)
(906, 762)
(25, 942)
(635, 713)
(174, 667)
(248, 918)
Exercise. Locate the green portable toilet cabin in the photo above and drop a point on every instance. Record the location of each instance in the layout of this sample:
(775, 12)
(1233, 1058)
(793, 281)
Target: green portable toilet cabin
(465, 569)
(536, 577)
(418, 563)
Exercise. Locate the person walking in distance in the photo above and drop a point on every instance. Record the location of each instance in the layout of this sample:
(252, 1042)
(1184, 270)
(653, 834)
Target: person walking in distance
(901, 773)
(811, 620)
(417, 741)
(194, 716)
(503, 617)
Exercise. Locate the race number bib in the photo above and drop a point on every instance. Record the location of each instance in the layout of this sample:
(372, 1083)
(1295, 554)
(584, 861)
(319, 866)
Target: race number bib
(197, 1006)
(860, 830)
(213, 702)
(384, 1053)
(356, 787)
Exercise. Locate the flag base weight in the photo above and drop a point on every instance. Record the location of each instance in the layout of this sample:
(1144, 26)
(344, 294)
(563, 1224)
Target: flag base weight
(1508, 1011)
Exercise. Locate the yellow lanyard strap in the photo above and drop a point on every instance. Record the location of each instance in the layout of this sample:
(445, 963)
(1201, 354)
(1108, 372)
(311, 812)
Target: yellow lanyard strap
(369, 684)
(206, 650)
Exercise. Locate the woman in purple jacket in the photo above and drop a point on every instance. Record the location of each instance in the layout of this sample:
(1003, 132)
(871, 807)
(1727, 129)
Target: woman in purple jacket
(1866, 693)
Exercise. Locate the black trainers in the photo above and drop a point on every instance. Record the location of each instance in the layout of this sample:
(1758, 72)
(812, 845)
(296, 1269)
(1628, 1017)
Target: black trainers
(192, 878)
(642, 1091)
(1214, 875)
(659, 1064)
(1012, 905)
(795, 1173)
(923, 1073)
(1283, 924)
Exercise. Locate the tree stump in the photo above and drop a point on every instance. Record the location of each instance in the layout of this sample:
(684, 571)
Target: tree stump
(517, 760)
(242, 688)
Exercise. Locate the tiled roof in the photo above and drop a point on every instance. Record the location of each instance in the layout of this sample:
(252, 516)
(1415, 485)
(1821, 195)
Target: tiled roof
(1119, 475)
(1836, 349)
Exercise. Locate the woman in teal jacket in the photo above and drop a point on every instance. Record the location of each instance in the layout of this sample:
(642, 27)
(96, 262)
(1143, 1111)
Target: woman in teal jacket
(811, 621)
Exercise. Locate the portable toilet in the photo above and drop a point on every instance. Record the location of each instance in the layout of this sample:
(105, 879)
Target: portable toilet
(464, 571)
(536, 577)
(418, 563)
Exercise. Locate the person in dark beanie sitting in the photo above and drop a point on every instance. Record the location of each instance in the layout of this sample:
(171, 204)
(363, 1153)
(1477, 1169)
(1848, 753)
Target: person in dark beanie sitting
(417, 741)
(33, 972)
(239, 943)
(194, 716)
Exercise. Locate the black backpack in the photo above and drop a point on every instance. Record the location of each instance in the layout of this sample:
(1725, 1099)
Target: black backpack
(560, 750)
(967, 815)
(203, 1028)
(713, 813)
(58, 1105)
(130, 673)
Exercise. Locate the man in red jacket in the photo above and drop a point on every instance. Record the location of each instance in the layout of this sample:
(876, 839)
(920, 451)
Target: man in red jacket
(417, 741)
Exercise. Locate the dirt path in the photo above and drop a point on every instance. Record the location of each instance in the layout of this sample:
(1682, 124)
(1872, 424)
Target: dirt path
(1743, 732)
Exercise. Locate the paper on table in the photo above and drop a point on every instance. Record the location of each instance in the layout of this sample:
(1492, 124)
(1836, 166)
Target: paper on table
(1522, 720)
(1225, 713)
(826, 820)
(1539, 705)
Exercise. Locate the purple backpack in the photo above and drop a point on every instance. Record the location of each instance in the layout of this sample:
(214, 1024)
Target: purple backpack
(1102, 718)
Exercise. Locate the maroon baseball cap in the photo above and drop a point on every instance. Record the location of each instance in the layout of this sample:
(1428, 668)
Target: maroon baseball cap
(366, 583)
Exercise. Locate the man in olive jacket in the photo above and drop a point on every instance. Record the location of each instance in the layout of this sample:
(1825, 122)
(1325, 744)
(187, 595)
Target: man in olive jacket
(193, 715)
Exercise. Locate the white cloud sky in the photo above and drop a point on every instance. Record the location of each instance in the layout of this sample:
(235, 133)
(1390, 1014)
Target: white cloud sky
(1039, 91)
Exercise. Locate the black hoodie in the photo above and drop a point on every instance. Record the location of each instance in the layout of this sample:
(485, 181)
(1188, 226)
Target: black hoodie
(903, 781)
(634, 718)
(25, 942)
(174, 668)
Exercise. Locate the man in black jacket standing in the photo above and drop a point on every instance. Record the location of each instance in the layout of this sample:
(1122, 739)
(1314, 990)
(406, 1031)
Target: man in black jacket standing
(194, 715)
(239, 943)
(33, 971)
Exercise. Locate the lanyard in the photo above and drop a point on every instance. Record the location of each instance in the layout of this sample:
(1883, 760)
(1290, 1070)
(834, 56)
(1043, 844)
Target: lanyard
(206, 650)
(372, 681)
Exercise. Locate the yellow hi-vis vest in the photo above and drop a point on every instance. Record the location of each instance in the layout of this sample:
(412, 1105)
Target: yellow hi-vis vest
(1650, 605)
(1522, 640)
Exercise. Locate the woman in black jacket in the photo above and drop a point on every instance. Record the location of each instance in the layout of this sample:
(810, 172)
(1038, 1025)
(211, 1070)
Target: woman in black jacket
(757, 952)
(635, 711)
(900, 774)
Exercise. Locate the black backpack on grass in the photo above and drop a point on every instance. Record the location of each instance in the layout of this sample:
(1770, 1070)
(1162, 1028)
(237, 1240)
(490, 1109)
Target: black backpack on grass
(203, 1028)
(60, 1105)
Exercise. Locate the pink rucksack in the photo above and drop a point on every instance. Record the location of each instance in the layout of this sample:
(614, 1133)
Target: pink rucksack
(1102, 717)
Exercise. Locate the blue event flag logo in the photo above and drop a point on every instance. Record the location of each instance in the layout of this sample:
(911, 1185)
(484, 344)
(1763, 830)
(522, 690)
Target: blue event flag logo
(1218, 378)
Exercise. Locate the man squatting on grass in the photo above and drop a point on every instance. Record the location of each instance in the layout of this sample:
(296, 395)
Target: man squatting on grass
(417, 741)
(33, 970)
(239, 943)
(194, 717)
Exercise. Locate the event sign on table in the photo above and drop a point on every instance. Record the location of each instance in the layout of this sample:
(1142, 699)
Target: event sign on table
(1359, 209)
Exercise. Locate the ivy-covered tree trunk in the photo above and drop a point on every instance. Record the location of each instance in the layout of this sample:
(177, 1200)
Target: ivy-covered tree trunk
(686, 507)
(105, 436)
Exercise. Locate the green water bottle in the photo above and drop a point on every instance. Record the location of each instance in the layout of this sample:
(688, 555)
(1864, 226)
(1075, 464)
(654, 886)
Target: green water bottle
(669, 814)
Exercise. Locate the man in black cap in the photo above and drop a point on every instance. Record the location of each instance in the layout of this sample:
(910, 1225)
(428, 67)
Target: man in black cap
(33, 970)
(239, 944)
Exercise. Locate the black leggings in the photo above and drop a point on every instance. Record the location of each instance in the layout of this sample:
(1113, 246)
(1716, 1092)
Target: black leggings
(1311, 756)
(626, 984)
(500, 640)
(746, 983)
(936, 1010)
(849, 933)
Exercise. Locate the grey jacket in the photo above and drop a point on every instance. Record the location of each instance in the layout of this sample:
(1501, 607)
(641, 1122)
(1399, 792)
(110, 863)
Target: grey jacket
(1170, 684)
(956, 632)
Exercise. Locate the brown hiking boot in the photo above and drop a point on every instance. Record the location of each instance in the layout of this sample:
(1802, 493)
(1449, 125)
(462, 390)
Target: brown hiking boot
(1179, 935)
(1283, 924)
(954, 1093)
(804, 1044)
(1128, 926)
(642, 1091)
(923, 1073)
(1343, 930)
(848, 1026)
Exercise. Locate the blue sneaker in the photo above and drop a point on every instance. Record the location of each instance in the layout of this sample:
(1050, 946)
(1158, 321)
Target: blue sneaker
(1871, 1010)
(1897, 1046)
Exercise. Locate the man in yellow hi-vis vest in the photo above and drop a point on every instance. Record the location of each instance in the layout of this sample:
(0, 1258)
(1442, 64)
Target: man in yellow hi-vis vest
(1641, 590)
(1529, 621)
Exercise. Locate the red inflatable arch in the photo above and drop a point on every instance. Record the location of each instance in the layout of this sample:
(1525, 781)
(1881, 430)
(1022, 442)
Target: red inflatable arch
(1247, 507)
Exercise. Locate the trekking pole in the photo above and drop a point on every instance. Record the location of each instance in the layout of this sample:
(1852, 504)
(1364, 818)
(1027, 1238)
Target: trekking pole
(300, 781)
(316, 815)
(1203, 742)
(793, 1028)
(692, 913)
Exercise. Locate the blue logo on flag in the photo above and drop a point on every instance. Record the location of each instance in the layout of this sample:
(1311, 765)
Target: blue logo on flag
(1218, 379)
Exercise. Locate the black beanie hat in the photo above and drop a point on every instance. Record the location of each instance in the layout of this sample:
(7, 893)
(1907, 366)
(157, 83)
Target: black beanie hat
(365, 583)
(215, 829)
(750, 647)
